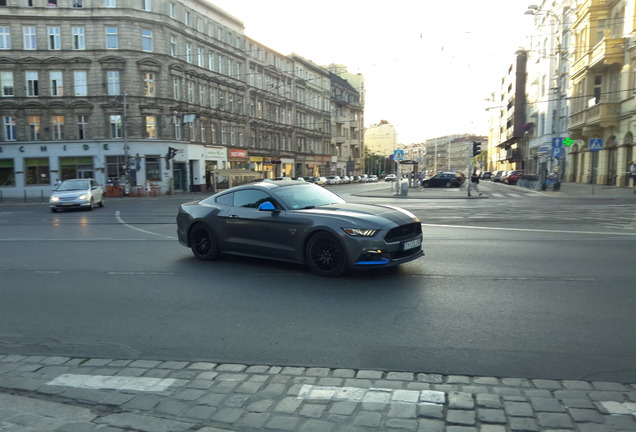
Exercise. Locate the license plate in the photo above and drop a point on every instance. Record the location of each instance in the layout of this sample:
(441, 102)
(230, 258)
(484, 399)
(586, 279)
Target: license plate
(412, 244)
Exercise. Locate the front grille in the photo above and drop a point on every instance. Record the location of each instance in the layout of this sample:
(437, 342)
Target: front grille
(403, 232)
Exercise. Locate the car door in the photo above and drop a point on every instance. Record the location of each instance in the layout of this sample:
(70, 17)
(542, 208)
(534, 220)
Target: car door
(252, 231)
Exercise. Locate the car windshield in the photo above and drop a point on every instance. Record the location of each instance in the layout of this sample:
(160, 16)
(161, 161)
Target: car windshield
(306, 196)
(69, 185)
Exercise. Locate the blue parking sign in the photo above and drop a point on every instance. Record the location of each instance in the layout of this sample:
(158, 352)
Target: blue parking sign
(557, 151)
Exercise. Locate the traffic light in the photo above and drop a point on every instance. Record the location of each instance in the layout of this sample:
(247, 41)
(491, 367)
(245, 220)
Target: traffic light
(476, 148)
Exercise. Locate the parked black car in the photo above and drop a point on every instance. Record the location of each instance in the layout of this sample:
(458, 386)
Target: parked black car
(444, 179)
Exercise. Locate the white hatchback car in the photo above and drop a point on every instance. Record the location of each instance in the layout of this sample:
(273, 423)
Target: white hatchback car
(77, 193)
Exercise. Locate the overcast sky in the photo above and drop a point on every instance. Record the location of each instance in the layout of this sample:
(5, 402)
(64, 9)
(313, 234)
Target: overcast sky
(428, 65)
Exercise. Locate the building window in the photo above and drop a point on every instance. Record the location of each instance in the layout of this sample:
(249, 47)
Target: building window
(57, 127)
(34, 127)
(112, 82)
(32, 83)
(190, 85)
(79, 39)
(56, 83)
(174, 52)
(176, 88)
(172, 10)
(200, 57)
(189, 52)
(146, 40)
(54, 38)
(29, 38)
(110, 3)
(9, 129)
(5, 38)
(116, 126)
(52, 3)
(78, 3)
(211, 57)
(145, 5)
(151, 127)
(153, 172)
(6, 83)
(149, 84)
(186, 18)
(36, 171)
(213, 98)
(82, 127)
(74, 167)
(7, 172)
(178, 132)
(81, 83)
(111, 38)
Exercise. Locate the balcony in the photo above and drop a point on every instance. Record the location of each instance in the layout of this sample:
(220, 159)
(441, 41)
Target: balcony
(607, 52)
(600, 115)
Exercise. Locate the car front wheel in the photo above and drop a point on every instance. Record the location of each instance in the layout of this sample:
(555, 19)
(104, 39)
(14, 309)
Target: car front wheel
(425, 185)
(325, 255)
(203, 243)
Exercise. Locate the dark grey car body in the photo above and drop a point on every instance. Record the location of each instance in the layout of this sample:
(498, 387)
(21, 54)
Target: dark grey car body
(330, 237)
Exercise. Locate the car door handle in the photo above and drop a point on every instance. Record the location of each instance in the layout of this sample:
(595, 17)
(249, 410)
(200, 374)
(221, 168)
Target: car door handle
(233, 216)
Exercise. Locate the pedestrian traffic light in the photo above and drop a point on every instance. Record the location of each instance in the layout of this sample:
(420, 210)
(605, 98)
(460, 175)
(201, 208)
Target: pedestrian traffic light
(476, 148)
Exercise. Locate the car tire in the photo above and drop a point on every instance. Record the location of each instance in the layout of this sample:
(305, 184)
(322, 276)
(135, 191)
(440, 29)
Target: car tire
(53, 210)
(449, 184)
(325, 255)
(91, 205)
(202, 243)
(101, 202)
(426, 185)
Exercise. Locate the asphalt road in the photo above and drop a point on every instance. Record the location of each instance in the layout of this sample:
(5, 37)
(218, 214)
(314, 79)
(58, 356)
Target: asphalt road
(548, 294)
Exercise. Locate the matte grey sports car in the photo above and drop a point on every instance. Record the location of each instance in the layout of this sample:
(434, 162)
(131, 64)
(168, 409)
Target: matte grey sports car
(299, 222)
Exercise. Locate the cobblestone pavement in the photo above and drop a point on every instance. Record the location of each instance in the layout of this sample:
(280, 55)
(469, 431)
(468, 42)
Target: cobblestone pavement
(84, 395)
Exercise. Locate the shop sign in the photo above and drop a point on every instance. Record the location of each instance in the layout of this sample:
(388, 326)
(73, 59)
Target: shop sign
(234, 153)
(215, 152)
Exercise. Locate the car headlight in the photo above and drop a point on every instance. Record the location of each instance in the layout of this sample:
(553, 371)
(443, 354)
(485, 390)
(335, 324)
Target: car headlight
(360, 232)
(55, 199)
(83, 197)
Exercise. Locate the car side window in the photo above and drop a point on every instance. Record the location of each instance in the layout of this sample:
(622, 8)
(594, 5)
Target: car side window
(251, 198)
(225, 199)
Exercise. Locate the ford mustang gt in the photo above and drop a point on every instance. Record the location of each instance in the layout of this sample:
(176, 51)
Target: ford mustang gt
(299, 222)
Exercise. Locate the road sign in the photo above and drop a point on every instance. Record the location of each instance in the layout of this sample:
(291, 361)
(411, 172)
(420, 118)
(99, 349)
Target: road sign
(557, 142)
(596, 144)
(557, 151)
(398, 155)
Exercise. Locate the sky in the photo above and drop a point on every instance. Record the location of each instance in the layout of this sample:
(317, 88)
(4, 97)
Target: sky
(428, 65)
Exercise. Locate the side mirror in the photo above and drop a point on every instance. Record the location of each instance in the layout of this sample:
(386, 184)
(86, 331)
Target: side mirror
(267, 206)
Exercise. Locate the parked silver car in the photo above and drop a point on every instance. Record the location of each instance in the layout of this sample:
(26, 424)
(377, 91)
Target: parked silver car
(75, 194)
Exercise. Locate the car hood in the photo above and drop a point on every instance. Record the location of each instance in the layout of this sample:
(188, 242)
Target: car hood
(69, 194)
(379, 214)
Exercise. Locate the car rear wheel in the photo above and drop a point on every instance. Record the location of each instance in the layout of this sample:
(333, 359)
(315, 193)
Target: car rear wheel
(449, 184)
(101, 202)
(203, 243)
(325, 255)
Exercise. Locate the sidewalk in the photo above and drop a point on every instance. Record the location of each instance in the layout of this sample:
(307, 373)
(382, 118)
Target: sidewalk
(567, 190)
(108, 395)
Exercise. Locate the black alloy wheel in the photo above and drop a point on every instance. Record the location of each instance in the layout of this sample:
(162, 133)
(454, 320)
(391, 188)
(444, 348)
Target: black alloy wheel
(325, 255)
(203, 243)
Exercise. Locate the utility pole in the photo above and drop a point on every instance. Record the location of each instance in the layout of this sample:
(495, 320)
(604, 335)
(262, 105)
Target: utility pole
(125, 133)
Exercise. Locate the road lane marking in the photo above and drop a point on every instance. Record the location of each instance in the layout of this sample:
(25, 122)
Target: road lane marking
(112, 382)
(363, 395)
(530, 230)
(121, 221)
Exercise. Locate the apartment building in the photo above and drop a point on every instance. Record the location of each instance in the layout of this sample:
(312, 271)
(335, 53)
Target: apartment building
(581, 72)
(507, 143)
(165, 92)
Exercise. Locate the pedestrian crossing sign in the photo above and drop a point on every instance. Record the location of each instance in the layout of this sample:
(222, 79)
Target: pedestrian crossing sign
(398, 155)
(596, 144)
